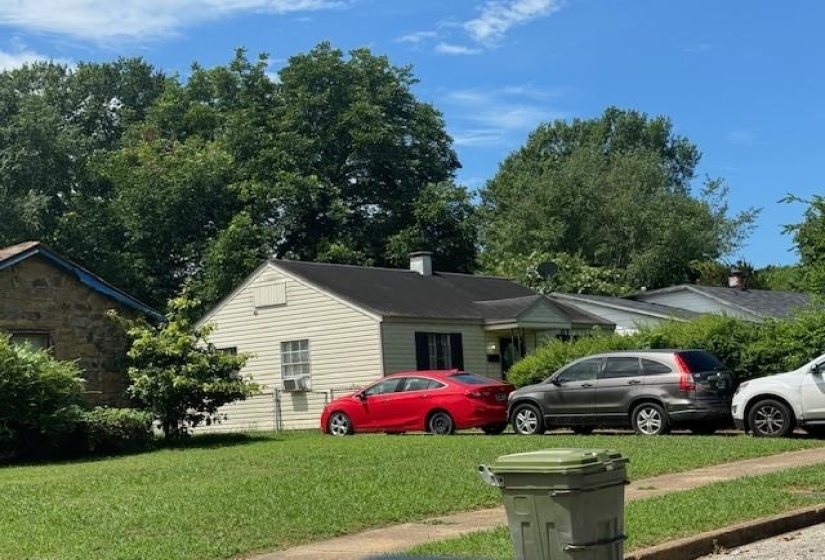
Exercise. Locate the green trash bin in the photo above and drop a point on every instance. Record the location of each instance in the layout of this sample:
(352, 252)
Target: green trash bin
(563, 504)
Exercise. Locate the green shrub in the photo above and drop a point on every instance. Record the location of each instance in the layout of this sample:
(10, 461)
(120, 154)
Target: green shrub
(725, 337)
(40, 404)
(749, 349)
(111, 431)
(553, 355)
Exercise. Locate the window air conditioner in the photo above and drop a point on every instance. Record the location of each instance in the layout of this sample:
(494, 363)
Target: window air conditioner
(294, 384)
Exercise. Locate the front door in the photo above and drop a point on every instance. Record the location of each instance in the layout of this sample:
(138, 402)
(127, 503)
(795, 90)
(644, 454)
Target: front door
(512, 350)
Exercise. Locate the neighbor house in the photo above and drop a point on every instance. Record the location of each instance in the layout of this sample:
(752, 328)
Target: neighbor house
(685, 302)
(48, 301)
(317, 330)
(735, 301)
(627, 314)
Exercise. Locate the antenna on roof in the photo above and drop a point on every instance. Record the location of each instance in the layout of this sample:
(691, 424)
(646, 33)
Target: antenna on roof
(547, 269)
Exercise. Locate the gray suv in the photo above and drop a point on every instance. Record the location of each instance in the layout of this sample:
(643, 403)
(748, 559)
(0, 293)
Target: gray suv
(651, 391)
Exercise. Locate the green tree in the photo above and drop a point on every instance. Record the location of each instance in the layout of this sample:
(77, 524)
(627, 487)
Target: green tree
(616, 191)
(177, 376)
(56, 123)
(561, 272)
(376, 151)
(809, 238)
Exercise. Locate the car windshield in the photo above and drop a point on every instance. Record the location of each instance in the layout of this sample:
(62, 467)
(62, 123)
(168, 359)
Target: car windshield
(471, 378)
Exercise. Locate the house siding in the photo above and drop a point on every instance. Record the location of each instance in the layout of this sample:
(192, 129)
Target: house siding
(692, 301)
(344, 350)
(626, 322)
(399, 345)
(37, 296)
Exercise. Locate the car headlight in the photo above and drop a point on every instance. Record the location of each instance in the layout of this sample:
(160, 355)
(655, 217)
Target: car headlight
(741, 386)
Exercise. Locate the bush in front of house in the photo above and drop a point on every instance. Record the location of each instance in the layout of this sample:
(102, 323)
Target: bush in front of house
(548, 358)
(40, 402)
(113, 431)
(749, 349)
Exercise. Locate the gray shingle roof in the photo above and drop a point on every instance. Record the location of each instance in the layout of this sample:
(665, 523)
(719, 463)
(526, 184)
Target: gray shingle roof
(393, 292)
(765, 303)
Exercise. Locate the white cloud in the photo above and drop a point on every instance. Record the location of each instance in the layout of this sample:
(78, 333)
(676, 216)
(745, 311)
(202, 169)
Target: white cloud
(480, 137)
(418, 37)
(11, 60)
(447, 48)
(108, 21)
(495, 117)
(498, 16)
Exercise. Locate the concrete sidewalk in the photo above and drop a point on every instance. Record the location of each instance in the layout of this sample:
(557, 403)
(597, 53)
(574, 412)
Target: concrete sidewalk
(397, 538)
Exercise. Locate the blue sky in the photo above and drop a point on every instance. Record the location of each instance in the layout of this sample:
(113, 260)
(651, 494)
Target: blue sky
(741, 79)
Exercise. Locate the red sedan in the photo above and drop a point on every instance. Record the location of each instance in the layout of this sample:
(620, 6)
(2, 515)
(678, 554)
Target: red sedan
(439, 402)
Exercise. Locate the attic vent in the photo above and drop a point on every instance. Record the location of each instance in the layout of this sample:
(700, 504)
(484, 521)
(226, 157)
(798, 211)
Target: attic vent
(269, 295)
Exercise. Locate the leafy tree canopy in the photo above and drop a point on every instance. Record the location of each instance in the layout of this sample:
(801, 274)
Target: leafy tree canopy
(616, 192)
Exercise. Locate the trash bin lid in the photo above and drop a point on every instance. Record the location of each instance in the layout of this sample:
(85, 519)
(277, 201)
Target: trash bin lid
(560, 461)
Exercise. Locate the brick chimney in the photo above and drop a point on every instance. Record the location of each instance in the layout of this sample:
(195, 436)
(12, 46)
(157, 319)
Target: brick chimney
(422, 262)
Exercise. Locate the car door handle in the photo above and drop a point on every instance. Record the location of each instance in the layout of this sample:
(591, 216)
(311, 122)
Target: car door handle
(634, 382)
(425, 396)
(584, 385)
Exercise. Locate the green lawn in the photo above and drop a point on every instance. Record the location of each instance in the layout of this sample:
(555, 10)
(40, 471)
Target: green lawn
(657, 520)
(273, 491)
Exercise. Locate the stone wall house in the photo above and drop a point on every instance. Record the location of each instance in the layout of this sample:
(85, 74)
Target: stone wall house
(50, 302)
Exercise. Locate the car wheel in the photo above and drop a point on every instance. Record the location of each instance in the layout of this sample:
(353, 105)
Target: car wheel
(770, 418)
(339, 424)
(494, 429)
(583, 430)
(440, 423)
(527, 420)
(650, 419)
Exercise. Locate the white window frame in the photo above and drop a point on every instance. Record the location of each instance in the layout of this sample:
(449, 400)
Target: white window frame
(295, 361)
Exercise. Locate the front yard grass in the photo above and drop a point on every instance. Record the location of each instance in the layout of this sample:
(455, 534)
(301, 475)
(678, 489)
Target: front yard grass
(672, 516)
(213, 501)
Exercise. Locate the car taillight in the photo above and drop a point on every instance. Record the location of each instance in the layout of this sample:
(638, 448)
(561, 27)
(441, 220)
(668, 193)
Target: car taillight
(686, 382)
(476, 394)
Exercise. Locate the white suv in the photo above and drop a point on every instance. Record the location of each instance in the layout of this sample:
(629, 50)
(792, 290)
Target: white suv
(773, 406)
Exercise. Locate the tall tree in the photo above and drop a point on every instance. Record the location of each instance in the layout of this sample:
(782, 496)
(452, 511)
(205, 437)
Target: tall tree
(354, 124)
(616, 192)
(809, 238)
(55, 122)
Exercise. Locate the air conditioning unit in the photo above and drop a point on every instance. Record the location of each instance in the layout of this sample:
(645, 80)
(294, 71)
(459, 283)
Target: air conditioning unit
(295, 384)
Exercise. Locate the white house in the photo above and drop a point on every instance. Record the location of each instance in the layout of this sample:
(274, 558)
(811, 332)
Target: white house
(627, 314)
(317, 330)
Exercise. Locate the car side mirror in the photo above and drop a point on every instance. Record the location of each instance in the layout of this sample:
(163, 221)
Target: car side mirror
(816, 368)
(555, 381)
(361, 396)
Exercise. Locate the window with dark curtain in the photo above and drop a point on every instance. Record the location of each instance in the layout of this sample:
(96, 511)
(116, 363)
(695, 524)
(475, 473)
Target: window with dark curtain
(438, 351)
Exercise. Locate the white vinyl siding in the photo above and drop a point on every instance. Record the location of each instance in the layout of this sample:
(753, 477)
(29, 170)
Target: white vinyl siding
(686, 299)
(344, 345)
(627, 322)
(399, 345)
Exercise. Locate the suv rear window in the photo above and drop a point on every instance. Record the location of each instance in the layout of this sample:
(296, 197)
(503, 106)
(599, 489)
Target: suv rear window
(699, 361)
